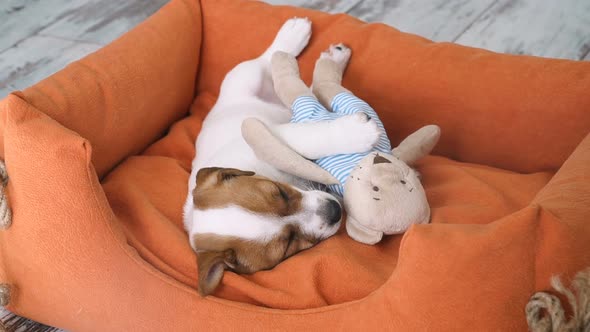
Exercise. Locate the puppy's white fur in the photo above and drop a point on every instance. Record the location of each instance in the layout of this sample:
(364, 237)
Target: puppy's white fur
(236, 221)
(247, 91)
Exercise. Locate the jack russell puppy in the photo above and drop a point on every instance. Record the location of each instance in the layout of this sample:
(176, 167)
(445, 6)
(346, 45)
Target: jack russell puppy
(242, 214)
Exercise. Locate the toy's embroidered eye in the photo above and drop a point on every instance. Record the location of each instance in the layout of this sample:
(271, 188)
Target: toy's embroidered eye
(402, 181)
(375, 188)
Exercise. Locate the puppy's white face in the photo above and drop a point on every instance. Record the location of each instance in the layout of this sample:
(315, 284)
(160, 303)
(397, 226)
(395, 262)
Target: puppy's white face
(248, 223)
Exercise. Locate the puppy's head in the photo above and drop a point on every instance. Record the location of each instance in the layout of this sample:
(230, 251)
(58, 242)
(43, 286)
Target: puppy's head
(246, 223)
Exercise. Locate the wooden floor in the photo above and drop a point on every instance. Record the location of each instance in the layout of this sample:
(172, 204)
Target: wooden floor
(39, 37)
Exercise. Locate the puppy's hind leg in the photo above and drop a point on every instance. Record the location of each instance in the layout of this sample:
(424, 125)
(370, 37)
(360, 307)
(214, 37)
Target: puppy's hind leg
(246, 80)
(253, 77)
(292, 38)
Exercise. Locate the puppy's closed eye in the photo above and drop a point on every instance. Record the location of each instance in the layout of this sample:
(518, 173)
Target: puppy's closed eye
(283, 194)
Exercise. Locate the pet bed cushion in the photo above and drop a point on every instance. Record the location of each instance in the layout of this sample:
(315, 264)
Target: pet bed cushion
(99, 154)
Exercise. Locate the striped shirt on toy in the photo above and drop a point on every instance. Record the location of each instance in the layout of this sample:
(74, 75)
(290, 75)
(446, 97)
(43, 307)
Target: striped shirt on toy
(309, 109)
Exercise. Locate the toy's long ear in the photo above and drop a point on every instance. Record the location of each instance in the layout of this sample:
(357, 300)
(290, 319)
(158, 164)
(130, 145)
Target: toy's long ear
(418, 144)
(270, 149)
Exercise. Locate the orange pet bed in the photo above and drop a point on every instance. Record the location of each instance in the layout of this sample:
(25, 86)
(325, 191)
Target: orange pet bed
(99, 155)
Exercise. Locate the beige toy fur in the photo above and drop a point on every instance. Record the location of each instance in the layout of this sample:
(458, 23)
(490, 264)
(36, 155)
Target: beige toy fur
(383, 195)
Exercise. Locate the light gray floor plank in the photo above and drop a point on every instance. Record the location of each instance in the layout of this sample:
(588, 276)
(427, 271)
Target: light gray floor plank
(558, 29)
(20, 19)
(439, 20)
(36, 58)
(100, 21)
(328, 6)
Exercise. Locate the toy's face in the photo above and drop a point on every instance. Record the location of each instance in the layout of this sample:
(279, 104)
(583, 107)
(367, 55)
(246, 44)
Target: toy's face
(385, 194)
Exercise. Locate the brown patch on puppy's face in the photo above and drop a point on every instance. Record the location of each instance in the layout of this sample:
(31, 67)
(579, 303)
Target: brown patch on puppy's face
(248, 223)
(220, 187)
(244, 256)
(252, 256)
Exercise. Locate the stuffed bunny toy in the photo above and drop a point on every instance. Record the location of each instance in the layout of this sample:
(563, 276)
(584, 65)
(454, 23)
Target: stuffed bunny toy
(381, 193)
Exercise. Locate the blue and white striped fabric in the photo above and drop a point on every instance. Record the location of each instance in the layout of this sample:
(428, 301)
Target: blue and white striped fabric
(307, 108)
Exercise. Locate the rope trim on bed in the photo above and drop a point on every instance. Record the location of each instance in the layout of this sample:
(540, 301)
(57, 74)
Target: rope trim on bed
(4, 294)
(5, 213)
(5, 221)
(544, 312)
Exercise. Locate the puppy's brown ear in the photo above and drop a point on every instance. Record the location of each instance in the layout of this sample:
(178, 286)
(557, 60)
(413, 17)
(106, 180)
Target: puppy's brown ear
(225, 174)
(211, 265)
(205, 176)
(213, 175)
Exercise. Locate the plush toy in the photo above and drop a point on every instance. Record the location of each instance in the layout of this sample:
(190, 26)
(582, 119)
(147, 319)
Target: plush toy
(382, 194)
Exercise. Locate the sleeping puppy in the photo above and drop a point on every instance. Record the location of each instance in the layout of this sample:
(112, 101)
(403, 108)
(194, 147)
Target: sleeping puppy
(242, 214)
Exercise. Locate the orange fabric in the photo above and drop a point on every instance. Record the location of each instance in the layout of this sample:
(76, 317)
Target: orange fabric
(508, 210)
(109, 98)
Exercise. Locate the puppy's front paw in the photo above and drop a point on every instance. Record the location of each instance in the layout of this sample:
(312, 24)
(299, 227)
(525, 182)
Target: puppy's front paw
(293, 36)
(361, 117)
(358, 132)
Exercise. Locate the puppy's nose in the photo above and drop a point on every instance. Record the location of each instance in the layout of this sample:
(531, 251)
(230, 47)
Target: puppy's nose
(334, 212)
